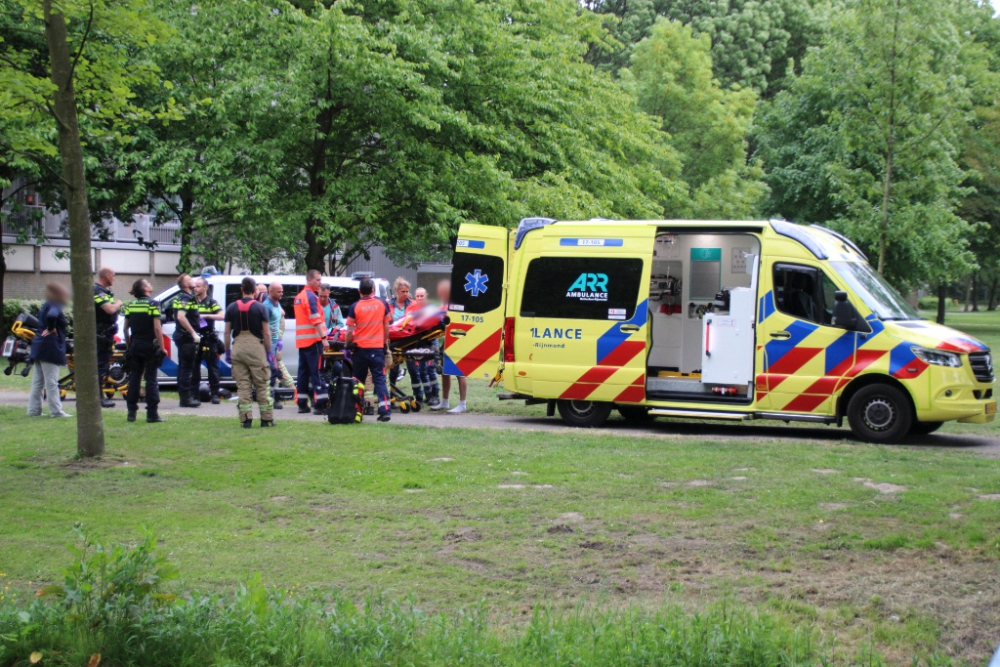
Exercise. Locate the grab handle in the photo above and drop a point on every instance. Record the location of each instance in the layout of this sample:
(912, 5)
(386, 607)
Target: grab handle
(457, 333)
(780, 334)
(628, 328)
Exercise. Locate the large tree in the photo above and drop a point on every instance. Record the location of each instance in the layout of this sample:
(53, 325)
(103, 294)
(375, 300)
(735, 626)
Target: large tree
(868, 137)
(67, 69)
(671, 77)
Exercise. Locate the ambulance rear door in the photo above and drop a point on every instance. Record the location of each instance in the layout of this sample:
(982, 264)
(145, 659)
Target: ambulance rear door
(478, 288)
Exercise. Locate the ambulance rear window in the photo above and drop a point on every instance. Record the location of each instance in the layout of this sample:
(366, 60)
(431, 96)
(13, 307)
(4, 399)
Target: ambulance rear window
(582, 288)
(476, 282)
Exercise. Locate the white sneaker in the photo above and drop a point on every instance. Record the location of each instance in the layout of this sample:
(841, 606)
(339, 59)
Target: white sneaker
(442, 405)
(62, 414)
(458, 409)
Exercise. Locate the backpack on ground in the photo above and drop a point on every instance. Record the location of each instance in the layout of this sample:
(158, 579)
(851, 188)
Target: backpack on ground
(347, 404)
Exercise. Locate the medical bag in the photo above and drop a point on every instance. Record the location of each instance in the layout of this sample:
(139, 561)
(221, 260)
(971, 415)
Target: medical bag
(347, 405)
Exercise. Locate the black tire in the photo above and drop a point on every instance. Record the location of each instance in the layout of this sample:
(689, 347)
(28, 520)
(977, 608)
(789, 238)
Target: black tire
(415, 405)
(635, 414)
(924, 428)
(584, 414)
(880, 413)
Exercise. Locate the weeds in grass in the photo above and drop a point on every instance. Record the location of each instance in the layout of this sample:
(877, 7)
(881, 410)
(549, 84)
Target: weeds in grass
(113, 609)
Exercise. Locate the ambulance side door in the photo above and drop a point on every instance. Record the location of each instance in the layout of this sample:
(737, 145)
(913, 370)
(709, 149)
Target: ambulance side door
(806, 360)
(476, 312)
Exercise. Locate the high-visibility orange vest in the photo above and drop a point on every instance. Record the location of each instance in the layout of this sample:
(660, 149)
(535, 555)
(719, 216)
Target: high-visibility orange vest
(308, 318)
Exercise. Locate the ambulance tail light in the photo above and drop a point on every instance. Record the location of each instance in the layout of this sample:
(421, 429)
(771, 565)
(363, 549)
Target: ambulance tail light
(508, 340)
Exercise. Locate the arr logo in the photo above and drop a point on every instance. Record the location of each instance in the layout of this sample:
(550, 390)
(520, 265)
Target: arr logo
(589, 287)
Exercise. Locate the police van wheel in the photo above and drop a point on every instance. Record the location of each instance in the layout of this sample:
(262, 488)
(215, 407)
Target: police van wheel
(585, 414)
(880, 413)
(635, 414)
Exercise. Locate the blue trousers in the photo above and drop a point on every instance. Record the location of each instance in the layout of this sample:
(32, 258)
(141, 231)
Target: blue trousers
(373, 359)
(310, 375)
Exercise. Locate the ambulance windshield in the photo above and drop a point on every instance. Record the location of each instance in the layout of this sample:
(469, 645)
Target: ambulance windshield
(880, 296)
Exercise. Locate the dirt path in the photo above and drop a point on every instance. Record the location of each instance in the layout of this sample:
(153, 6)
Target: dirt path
(660, 428)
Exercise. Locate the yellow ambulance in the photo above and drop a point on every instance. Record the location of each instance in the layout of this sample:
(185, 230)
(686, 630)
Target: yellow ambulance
(707, 320)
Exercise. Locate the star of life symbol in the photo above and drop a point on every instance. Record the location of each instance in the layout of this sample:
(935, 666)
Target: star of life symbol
(476, 282)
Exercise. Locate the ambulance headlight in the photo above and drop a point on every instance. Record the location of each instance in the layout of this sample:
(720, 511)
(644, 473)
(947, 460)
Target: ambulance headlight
(937, 357)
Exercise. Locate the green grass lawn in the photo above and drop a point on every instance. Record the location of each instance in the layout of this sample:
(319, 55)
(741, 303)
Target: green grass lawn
(896, 546)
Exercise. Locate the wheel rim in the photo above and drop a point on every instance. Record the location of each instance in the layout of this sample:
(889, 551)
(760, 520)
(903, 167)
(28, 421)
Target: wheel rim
(582, 409)
(879, 414)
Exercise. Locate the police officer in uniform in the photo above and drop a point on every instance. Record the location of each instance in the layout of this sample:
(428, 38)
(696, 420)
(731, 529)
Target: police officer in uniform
(187, 339)
(248, 350)
(143, 340)
(209, 311)
(107, 326)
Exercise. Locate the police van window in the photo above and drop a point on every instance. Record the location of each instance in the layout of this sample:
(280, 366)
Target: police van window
(234, 292)
(586, 288)
(804, 292)
(476, 283)
(289, 292)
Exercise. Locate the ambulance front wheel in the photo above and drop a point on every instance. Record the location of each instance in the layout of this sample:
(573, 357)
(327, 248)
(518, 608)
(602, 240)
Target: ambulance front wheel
(880, 413)
(586, 414)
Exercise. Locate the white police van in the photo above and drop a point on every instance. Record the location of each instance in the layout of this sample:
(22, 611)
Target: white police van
(226, 289)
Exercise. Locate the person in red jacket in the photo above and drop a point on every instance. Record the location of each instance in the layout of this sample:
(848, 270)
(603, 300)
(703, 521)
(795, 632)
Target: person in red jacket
(368, 337)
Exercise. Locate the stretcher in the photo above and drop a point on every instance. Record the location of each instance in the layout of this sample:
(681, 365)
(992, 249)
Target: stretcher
(17, 349)
(411, 338)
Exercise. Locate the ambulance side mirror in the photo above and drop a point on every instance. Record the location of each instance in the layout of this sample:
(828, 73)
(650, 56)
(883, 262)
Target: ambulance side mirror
(845, 315)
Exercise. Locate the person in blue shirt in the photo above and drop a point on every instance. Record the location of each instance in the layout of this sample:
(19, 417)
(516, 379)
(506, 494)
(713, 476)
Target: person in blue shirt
(276, 323)
(332, 315)
(48, 351)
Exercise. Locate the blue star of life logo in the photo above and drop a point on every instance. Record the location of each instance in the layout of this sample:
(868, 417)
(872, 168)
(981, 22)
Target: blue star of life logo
(476, 282)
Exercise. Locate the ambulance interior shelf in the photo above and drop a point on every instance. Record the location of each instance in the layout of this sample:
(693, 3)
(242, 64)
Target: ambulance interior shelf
(691, 284)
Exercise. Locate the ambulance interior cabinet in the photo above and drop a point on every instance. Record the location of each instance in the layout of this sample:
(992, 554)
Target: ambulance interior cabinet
(728, 341)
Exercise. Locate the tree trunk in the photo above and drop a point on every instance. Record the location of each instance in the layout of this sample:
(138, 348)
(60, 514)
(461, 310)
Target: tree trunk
(975, 290)
(968, 294)
(992, 305)
(3, 274)
(942, 295)
(187, 232)
(89, 420)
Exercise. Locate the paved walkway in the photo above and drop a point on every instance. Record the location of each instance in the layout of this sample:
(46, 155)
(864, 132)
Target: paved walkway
(660, 428)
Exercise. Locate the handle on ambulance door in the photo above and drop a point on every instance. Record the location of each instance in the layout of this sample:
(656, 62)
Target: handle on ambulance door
(628, 328)
(458, 333)
(708, 330)
(780, 334)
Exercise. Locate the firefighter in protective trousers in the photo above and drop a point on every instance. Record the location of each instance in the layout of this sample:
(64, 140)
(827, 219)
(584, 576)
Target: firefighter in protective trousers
(368, 339)
(310, 339)
(248, 351)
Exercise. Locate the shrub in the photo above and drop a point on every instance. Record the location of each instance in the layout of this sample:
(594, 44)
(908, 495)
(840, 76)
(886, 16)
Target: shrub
(14, 307)
(112, 609)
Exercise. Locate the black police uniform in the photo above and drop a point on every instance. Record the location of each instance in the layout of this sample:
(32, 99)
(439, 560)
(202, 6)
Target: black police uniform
(143, 354)
(208, 350)
(187, 353)
(107, 327)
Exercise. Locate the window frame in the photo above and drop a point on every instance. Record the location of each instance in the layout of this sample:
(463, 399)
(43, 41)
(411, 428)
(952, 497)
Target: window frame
(536, 288)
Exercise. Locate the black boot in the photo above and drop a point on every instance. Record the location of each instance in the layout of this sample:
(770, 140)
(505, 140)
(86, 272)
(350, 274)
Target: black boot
(189, 401)
(320, 409)
(107, 402)
(278, 405)
(247, 424)
(131, 415)
(153, 417)
(266, 423)
(215, 399)
(304, 407)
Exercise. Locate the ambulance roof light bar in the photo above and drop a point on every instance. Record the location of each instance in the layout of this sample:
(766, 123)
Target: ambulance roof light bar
(529, 224)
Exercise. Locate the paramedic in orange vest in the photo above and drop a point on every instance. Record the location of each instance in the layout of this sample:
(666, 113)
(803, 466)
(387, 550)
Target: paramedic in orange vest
(310, 339)
(368, 337)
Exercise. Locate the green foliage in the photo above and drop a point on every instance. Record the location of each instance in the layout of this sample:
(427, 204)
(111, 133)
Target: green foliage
(671, 77)
(14, 307)
(110, 610)
(868, 136)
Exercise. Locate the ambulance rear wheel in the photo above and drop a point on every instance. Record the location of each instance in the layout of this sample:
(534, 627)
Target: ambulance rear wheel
(880, 413)
(585, 414)
(635, 414)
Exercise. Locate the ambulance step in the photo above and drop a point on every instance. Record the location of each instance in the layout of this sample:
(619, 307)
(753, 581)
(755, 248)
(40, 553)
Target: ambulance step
(700, 414)
(781, 416)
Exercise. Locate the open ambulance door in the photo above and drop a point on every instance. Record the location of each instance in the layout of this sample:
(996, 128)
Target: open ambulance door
(478, 289)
